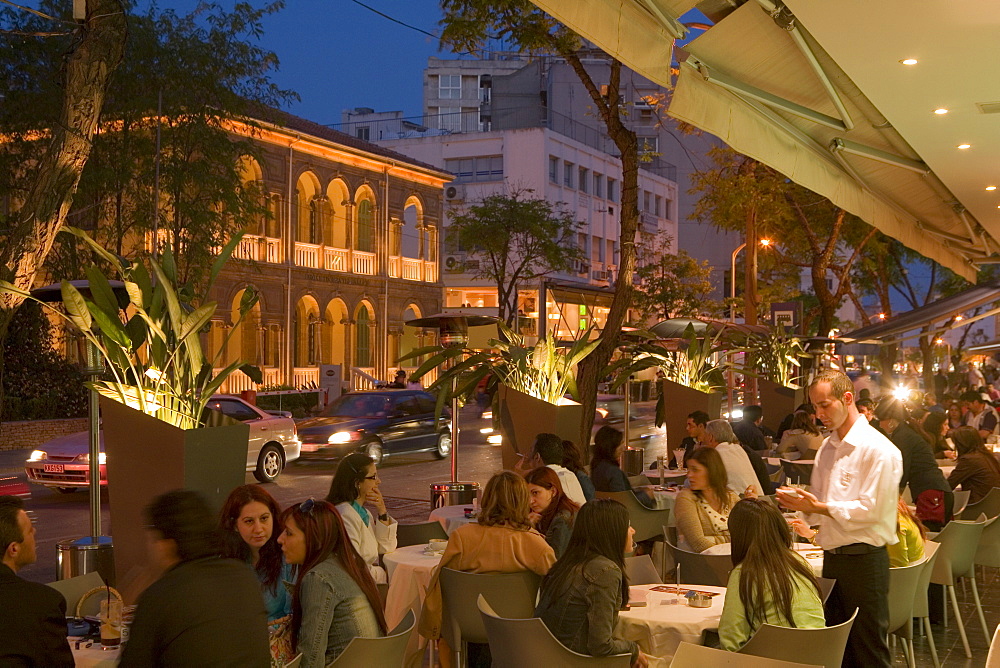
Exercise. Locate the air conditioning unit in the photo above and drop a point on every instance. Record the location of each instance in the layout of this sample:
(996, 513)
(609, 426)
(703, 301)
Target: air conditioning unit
(601, 275)
(454, 264)
(454, 193)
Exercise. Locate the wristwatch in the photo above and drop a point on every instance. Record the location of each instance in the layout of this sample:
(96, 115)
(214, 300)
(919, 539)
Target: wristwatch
(384, 517)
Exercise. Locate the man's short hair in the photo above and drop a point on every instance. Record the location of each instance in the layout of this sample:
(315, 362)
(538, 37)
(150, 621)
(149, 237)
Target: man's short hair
(865, 403)
(840, 384)
(971, 396)
(699, 417)
(721, 431)
(549, 448)
(10, 529)
(183, 517)
(752, 413)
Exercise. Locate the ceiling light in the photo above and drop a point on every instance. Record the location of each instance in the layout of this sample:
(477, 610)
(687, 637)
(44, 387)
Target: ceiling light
(965, 146)
(941, 111)
(991, 187)
(909, 61)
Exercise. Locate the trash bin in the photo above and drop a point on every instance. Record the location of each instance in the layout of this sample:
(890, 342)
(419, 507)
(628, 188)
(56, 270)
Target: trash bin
(79, 556)
(632, 461)
(453, 493)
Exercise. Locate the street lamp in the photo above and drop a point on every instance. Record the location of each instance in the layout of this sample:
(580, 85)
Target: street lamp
(732, 277)
(453, 331)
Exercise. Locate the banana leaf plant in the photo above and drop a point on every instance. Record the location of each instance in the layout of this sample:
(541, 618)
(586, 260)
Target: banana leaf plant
(545, 371)
(152, 348)
(774, 356)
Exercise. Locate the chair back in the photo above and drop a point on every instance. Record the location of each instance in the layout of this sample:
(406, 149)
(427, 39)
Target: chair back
(528, 642)
(988, 552)
(903, 584)
(639, 480)
(641, 571)
(418, 534)
(989, 505)
(993, 658)
(387, 651)
(74, 588)
(648, 523)
(961, 500)
(822, 647)
(514, 594)
(921, 608)
(699, 656)
(772, 468)
(958, 541)
(702, 569)
(826, 587)
(294, 663)
(796, 472)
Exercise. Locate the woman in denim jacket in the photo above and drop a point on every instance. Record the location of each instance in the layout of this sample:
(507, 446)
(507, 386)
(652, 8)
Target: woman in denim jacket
(335, 599)
(580, 597)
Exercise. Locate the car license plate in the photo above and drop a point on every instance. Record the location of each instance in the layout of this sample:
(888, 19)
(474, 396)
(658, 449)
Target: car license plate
(54, 468)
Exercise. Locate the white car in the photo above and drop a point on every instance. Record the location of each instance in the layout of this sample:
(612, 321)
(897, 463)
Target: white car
(63, 463)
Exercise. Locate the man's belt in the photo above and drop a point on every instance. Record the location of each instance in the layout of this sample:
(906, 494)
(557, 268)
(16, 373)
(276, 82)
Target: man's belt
(855, 548)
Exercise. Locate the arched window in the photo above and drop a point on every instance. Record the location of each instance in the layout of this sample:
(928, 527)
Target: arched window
(366, 227)
(363, 339)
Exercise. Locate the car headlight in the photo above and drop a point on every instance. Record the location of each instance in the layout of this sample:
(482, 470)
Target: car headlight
(38, 455)
(343, 437)
(102, 458)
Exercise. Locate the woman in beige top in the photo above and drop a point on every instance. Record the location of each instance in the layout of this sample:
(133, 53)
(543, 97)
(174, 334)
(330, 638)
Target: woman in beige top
(702, 511)
(803, 437)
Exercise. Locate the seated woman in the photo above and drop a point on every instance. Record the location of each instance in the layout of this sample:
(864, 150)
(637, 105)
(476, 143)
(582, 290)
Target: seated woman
(574, 462)
(912, 535)
(580, 597)
(249, 527)
(935, 427)
(976, 469)
(702, 510)
(335, 599)
(552, 513)
(803, 437)
(604, 469)
(778, 587)
(501, 541)
(355, 483)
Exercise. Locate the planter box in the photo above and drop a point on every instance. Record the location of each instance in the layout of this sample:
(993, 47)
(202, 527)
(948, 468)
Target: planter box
(148, 457)
(777, 401)
(522, 417)
(679, 401)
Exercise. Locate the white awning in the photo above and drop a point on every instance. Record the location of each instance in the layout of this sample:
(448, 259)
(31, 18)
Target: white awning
(760, 82)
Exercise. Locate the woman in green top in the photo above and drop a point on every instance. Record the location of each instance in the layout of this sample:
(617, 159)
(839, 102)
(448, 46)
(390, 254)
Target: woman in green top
(779, 589)
(911, 533)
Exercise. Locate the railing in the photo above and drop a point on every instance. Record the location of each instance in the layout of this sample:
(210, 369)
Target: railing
(307, 255)
(274, 254)
(394, 266)
(237, 382)
(364, 263)
(305, 376)
(362, 378)
(335, 259)
(249, 248)
(411, 269)
(430, 272)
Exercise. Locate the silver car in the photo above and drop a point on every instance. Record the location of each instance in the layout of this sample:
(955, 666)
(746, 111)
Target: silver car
(63, 463)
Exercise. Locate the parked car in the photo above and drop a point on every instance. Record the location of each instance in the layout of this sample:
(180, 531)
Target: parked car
(63, 463)
(378, 423)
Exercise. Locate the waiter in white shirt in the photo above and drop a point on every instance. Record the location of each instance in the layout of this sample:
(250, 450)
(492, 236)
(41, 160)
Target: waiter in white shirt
(855, 489)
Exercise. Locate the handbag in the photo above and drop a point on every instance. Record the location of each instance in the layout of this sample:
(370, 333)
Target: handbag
(930, 506)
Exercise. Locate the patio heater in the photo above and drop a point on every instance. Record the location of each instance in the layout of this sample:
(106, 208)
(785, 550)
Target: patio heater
(93, 552)
(453, 331)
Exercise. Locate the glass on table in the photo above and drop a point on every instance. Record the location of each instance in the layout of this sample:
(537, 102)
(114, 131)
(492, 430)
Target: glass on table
(111, 622)
(679, 457)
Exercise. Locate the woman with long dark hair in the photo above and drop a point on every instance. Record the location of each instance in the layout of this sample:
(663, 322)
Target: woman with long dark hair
(335, 599)
(935, 427)
(702, 510)
(580, 597)
(803, 437)
(770, 583)
(356, 483)
(976, 469)
(604, 469)
(552, 513)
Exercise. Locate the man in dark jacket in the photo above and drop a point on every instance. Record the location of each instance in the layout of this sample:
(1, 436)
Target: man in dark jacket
(751, 438)
(204, 610)
(32, 616)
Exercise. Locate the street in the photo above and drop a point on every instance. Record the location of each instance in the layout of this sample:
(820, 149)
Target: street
(406, 481)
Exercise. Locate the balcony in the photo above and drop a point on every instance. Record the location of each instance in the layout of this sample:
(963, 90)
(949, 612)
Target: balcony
(394, 263)
(364, 263)
(305, 376)
(274, 250)
(239, 382)
(335, 259)
(307, 255)
(430, 272)
(412, 269)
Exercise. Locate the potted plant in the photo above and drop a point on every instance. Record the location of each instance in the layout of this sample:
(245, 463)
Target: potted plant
(158, 383)
(529, 385)
(774, 357)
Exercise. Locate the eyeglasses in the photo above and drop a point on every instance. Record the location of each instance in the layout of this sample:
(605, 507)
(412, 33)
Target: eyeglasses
(307, 505)
(371, 477)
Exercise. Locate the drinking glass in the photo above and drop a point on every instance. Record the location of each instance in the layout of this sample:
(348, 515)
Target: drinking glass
(111, 623)
(679, 457)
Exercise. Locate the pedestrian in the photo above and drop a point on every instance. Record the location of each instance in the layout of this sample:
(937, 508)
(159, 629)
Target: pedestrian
(853, 501)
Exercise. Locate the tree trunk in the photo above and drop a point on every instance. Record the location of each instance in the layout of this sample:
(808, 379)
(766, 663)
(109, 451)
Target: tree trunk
(34, 226)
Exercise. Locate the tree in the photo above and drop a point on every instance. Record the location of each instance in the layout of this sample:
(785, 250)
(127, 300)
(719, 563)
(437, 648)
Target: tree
(472, 25)
(518, 238)
(673, 285)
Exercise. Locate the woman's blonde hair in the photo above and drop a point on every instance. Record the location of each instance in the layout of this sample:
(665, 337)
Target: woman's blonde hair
(506, 502)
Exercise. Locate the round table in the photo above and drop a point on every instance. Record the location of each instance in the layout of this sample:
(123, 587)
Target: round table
(665, 621)
(812, 554)
(94, 656)
(946, 470)
(409, 569)
(665, 498)
(450, 517)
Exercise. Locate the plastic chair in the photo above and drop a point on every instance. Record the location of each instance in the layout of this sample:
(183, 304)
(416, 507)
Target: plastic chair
(822, 647)
(961, 500)
(772, 468)
(958, 542)
(989, 506)
(648, 523)
(703, 569)
(387, 651)
(513, 593)
(294, 663)
(921, 606)
(699, 656)
(641, 571)
(903, 584)
(988, 552)
(797, 472)
(639, 480)
(993, 658)
(528, 642)
(74, 588)
(826, 587)
(418, 534)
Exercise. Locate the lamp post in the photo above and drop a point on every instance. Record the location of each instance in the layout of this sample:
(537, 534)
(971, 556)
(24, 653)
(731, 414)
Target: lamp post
(749, 299)
(453, 331)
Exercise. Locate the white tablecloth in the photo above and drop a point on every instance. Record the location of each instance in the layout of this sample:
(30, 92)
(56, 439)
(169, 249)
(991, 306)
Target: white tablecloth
(664, 623)
(812, 554)
(664, 498)
(409, 570)
(450, 517)
(94, 656)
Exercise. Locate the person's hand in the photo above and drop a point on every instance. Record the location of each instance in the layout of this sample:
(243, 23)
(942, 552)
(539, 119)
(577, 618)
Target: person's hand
(950, 454)
(534, 518)
(801, 528)
(749, 493)
(799, 499)
(642, 661)
(375, 498)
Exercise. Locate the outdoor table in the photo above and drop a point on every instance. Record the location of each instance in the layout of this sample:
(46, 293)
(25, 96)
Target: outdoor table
(409, 570)
(812, 554)
(450, 517)
(665, 622)
(946, 470)
(669, 475)
(94, 656)
(664, 498)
